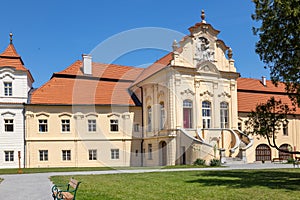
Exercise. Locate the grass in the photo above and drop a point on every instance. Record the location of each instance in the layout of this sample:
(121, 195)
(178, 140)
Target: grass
(237, 184)
(75, 169)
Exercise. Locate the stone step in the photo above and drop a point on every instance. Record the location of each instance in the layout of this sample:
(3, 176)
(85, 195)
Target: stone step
(231, 160)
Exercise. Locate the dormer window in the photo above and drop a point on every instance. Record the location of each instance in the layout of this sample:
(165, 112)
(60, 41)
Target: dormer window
(7, 89)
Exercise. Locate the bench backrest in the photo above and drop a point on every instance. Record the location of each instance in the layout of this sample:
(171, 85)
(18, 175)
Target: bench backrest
(73, 183)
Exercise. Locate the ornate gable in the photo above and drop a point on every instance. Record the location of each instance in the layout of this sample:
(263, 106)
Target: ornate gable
(208, 68)
(201, 46)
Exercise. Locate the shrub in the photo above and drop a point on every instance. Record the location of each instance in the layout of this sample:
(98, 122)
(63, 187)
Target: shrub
(215, 162)
(290, 160)
(199, 161)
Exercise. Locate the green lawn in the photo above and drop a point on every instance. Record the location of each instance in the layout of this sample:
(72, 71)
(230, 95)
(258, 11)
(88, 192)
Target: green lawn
(238, 184)
(75, 169)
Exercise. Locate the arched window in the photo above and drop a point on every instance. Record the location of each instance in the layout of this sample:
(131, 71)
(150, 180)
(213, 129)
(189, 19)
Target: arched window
(162, 116)
(263, 152)
(206, 114)
(149, 119)
(224, 114)
(285, 156)
(187, 113)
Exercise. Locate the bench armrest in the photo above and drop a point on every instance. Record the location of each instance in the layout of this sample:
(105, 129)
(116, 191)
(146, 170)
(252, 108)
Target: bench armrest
(56, 187)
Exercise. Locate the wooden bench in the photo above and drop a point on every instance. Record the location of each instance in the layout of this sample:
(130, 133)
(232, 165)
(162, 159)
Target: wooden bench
(277, 160)
(66, 191)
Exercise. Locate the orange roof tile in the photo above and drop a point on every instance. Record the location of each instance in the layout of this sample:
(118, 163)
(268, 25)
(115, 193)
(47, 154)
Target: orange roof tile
(252, 92)
(256, 85)
(108, 85)
(10, 51)
(10, 58)
(110, 71)
(70, 91)
(155, 67)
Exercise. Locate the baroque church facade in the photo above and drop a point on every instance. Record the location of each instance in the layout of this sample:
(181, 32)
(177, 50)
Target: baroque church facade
(191, 103)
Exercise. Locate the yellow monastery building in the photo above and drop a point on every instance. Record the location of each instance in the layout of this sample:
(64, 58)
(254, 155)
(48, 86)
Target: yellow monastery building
(191, 103)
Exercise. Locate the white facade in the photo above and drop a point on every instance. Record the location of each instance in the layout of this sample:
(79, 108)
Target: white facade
(15, 84)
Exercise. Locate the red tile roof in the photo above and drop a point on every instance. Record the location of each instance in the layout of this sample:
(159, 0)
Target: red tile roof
(70, 91)
(155, 67)
(252, 92)
(110, 71)
(108, 85)
(10, 58)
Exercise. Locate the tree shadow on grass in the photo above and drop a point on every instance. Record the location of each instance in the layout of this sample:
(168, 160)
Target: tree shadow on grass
(273, 179)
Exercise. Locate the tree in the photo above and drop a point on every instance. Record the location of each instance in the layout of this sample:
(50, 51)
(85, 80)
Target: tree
(267, 120)
(279, 41)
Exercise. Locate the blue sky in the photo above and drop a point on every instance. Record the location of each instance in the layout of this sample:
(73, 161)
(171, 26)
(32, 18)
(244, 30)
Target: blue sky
(51, 35)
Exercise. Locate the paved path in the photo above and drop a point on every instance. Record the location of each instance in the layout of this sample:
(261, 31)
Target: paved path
(38, 186)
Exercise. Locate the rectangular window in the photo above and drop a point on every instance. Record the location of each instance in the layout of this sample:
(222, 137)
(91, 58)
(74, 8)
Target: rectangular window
(136, 128)
(9, 156)
(93, 154)
(65, 125)
(43, 125)
(224, 114)
(149, 151)
(66, 154)
(187, 113)
(149, 116)
(43, 155)
(115, 154)
(162, 116)
(9, 125)
(92, 125)
(114, 125)
(7, 89)
(285, 130)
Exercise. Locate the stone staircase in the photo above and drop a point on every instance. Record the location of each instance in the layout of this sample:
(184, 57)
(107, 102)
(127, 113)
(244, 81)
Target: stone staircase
(236, 160)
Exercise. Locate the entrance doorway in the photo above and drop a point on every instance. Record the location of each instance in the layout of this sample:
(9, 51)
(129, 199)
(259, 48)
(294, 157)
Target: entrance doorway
(162, 153)
(263, 152)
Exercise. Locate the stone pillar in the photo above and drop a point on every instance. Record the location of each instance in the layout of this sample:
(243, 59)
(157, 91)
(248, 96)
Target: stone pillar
(222, 155)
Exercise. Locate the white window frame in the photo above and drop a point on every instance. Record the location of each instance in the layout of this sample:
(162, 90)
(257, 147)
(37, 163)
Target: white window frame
(43, 123)
(206, 114)
(188, 105)
(7, 89)
(149, 119)
(8, 123)
(66, 155)
(9, 156)
(92, 154)
(65, 125)
(43, 155)
(224, 114)
(92, 125)
(114, 125)
(115, 154)
(162, 117)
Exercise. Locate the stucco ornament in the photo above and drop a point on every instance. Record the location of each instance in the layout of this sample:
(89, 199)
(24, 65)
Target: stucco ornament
(203, 51)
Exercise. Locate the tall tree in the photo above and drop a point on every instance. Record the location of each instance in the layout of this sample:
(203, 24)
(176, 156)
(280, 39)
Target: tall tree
(267, 119)
(279, 41)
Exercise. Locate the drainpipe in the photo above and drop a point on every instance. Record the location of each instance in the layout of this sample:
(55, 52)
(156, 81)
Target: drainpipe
(142, 142)
(24, 135)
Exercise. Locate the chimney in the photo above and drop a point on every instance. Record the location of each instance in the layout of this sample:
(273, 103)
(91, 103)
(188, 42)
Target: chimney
(264, 81)
(87, 64)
